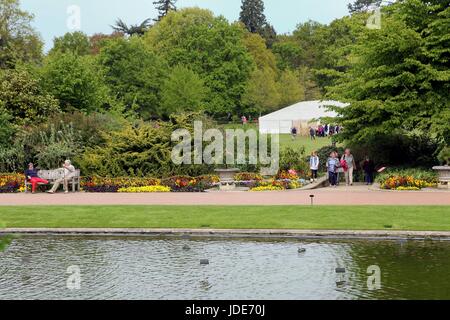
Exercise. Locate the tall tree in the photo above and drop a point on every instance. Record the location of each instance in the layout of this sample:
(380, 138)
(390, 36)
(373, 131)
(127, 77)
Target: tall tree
(24, 99)
(163, 7)
(252, 15)
(211, 47)
(134, 74)
(18, 40)
(76, 81)
(399, 78)
(182, 91)
(363, 5)
(138, 29)
(74, 42)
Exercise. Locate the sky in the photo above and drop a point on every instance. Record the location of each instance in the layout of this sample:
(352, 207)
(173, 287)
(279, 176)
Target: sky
(51, 16)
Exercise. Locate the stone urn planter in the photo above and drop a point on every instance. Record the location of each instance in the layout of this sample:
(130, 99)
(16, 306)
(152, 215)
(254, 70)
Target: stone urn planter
(227, 178)
(444, 175)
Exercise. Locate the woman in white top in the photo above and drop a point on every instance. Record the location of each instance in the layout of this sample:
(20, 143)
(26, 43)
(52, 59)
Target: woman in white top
(314, 163)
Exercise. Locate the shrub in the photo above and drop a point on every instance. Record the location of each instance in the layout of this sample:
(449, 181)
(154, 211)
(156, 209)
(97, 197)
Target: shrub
(10, 183)
(189, 184)
(293, 159)
(98, 184)
(444, 156)
(407, 179)
(247, 176)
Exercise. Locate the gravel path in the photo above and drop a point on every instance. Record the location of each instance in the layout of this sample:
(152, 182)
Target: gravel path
(358, 195)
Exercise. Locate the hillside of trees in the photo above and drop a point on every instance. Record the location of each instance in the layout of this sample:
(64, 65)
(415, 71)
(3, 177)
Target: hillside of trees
(190, 60)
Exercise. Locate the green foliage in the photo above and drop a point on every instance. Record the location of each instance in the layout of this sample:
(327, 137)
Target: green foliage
(6, 127)
(444, 156)
(72, 42)
(24, 99)
(56, 146)
(76, 81)
(290, 88)
(261, 94)
(182, 91)
(293, 159)
(140, 149)
(395, 84)
(18, 40)
(211, 47)
(134, 73)
(253, 18)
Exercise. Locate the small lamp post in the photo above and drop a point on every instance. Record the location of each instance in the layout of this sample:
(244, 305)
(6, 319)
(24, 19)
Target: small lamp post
(312, 199)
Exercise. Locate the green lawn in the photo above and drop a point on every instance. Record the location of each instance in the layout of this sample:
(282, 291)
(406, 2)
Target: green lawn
(430, 218)
(287, 141)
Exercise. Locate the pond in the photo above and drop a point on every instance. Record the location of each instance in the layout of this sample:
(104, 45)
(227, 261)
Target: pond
(44, 267)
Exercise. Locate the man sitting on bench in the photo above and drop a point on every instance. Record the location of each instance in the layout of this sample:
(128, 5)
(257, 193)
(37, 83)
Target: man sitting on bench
(69, 173)
(32, 175)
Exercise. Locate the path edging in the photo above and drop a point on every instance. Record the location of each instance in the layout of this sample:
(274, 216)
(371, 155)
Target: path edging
(236, 233)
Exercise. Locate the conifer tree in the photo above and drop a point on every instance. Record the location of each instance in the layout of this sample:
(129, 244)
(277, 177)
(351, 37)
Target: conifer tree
(164, 6)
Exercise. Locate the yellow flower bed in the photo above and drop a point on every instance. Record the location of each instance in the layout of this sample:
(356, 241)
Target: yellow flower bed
(149, 189)
(407, 189)
(405, 183)
(267, 188)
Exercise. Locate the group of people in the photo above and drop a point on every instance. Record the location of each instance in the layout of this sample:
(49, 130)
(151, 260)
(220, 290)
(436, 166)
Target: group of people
(327, 130)
(31, 174)
(345, 164)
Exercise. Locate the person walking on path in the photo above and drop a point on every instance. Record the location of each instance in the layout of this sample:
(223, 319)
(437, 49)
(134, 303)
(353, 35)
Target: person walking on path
(294, 133)
(351, 165)
(312, 133)
(314, 163)
(31, 175)
(332, 165)
(369, 169)
(69, 173)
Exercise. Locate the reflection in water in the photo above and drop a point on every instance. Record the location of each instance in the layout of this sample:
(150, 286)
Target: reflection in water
(149, 268)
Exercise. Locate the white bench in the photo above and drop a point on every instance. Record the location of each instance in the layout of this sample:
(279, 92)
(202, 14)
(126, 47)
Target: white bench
(52, 175)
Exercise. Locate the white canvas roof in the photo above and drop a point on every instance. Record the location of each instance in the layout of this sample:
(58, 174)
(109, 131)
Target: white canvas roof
(306, 110)
(283, 120)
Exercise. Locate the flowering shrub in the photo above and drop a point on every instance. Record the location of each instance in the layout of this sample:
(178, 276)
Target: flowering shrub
(405, 183)
(147, 189)
(10, 183)
(288, 175)
(248, 176)
(99, 184)
(189, 184)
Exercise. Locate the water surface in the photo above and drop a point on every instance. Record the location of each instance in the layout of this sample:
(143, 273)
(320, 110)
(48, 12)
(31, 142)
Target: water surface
(152, 268)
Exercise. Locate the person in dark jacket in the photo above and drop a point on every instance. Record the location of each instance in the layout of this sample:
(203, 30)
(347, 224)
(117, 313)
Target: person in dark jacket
(31, 174)
(369, 169)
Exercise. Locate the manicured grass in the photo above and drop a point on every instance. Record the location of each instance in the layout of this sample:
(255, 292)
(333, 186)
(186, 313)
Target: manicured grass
(310, 145)
(420, 218)
(287, 141)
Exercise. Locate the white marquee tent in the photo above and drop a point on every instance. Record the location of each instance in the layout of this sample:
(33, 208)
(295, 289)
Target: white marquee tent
(301, 115)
